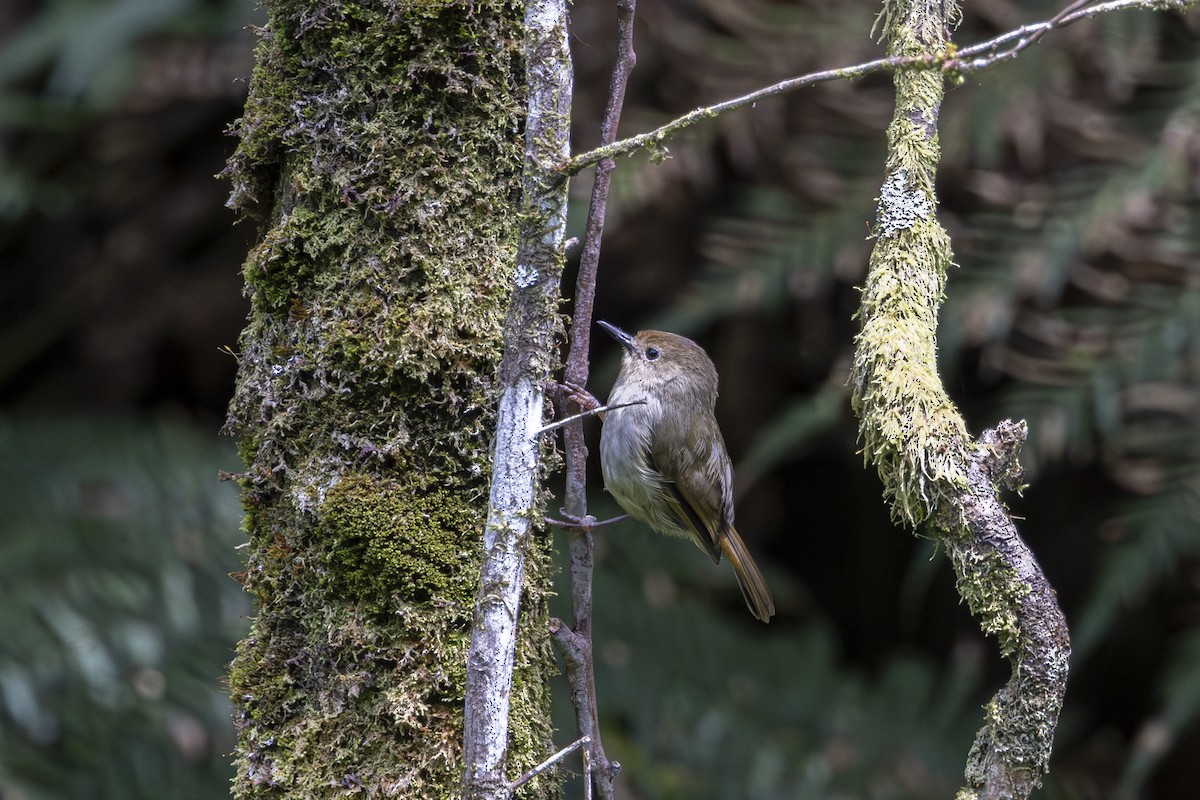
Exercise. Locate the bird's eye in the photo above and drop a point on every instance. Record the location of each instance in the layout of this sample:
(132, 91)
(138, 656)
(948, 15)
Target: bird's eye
(652, 354)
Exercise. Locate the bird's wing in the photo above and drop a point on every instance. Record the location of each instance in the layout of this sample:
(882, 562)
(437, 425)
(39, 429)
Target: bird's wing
(702, 505)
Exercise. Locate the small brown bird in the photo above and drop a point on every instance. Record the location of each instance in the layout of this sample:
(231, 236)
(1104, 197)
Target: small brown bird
(664, 458)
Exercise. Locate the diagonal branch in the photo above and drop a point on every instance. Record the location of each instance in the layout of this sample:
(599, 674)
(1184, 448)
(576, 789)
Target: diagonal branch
(968, 59)
(1009, 45)
(653, 140)
(547, 764)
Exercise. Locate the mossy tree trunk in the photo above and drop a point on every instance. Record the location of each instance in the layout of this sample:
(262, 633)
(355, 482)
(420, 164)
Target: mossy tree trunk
(381, 148)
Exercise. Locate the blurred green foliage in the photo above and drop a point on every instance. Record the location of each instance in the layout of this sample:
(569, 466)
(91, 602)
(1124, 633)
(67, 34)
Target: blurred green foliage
(69, 61)
(118, 609)
(698, 700)
(1071, 187)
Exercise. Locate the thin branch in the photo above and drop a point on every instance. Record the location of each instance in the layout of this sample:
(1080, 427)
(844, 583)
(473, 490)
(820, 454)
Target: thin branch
(587, 775)
(591, 412)
(1027, 35)
(587, 523)
(949, 60)
(599, 769)
(654, 139)
(547, 764)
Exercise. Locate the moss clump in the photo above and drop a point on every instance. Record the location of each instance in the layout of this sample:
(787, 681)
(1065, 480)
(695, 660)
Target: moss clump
(910, 429)
(993, 592)
(389, 543)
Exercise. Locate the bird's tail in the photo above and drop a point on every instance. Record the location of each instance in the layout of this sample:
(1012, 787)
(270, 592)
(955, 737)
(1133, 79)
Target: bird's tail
(754, 587)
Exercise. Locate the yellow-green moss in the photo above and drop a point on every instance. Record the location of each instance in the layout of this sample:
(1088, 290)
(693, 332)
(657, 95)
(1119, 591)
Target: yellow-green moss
(993, 591)
(388, 543)
(381, 152)
(910, 429)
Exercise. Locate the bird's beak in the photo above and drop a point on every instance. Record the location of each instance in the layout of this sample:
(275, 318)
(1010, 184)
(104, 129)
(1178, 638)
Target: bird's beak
(621, 336)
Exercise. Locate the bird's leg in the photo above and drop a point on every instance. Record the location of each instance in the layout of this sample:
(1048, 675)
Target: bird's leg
(581, 397)
(584, 523)
(584, 399)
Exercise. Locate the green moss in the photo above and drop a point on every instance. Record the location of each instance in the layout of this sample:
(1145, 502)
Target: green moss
(389, 543)
(993, 592)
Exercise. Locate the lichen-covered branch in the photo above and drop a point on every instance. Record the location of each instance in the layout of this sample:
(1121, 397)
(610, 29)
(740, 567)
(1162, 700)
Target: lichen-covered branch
(529, 334)
(1006, 590)
(932, 472)
(654, 140)
(969, 59)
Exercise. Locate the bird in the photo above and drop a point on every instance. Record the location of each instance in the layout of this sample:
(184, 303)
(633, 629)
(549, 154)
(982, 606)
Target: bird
(663, 457)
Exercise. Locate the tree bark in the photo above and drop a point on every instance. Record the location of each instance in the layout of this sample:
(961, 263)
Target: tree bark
(381, 148)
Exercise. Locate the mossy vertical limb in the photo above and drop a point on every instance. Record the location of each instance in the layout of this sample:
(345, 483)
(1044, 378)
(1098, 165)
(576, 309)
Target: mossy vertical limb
(933, 473)
(381, 150)
(910, 429)
(532, 326)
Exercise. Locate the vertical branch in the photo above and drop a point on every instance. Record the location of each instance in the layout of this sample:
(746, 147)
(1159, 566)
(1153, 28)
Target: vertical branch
(932, 471)
(524, 370)
(1007, 590)
(585, 282)
(576, 641)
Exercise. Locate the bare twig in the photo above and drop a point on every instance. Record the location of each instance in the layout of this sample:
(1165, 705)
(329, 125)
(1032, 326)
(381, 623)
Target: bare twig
(591, 412)
(599, 769)
(587, 775)
(1027, 35)
(547, 764)
(949, 60)
(587, 523)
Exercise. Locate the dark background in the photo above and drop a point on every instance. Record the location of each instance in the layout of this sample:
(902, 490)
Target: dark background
(1069, 185)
